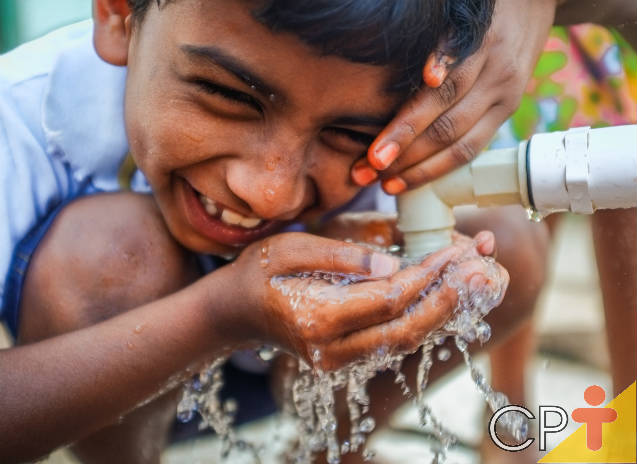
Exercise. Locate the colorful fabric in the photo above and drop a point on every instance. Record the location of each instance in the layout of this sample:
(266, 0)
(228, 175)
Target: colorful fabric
(586, 76)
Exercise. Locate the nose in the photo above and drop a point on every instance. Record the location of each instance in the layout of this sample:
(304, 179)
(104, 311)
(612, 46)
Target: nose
(273, 182)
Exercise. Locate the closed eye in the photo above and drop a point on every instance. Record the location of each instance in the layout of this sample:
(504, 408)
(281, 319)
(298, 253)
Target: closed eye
(356, 136)
(348, 141)
(234, 96)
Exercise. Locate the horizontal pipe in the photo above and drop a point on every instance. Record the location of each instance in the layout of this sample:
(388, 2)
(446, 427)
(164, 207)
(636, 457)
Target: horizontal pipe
(579, 170)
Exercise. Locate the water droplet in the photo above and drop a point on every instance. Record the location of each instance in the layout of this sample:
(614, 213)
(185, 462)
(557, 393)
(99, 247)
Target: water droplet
(185, 416)
(139, 328)
(483, 331)
(270, 164)
(367, 425)
(534, 215)
(444, 354)
(269, 194)
(265, 257)
(130, 345)
(368, 455)
(267, 352)
(393, 249)
(272, 97)
(230, 406)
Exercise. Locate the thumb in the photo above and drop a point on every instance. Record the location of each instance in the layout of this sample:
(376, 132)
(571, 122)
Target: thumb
(298, 252)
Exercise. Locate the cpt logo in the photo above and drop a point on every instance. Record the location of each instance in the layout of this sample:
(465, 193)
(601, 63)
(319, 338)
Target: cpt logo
(607, 434)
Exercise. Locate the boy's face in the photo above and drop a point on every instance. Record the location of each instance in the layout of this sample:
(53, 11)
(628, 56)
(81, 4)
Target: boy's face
(239, 130)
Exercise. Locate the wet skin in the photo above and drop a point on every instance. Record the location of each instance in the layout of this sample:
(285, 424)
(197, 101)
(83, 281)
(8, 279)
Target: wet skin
(257, 122)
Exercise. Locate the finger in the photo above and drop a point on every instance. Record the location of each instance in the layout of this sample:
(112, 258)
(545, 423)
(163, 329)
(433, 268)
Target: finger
(407, 333)
(459, 153)
(369, 303)
(436, 69)
(421, 110)
(449, 127)
(487, 94)
(297, 252)
(362, 173)
(485, 243)
(400, 335)
(444, 131)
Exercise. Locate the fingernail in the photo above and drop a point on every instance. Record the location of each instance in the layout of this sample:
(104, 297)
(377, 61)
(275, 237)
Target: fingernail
(435, 70)
(383, 265)
(394, 185)
(385, 155)
(363, 174)
(484, 242)
(435, 75)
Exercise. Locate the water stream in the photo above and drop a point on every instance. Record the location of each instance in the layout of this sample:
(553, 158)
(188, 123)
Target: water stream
(311, 393)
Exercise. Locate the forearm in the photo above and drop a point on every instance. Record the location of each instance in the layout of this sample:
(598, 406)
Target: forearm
(59, 390)
(621, 14)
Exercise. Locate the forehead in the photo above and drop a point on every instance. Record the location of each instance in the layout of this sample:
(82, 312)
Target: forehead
(282, 59)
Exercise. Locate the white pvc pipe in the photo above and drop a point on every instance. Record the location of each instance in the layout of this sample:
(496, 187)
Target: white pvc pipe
(582, 170)
(579, 170)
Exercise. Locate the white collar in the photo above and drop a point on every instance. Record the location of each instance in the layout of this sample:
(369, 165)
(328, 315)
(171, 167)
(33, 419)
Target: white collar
(83, 113)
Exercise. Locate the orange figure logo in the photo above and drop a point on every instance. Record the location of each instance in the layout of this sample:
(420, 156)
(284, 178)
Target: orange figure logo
(594, 417)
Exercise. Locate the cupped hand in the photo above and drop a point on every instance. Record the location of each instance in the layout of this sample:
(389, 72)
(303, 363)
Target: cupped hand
(454, 116)
(307, 312)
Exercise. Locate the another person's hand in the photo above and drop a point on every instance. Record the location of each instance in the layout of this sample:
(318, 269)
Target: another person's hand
(454, 116)
(306, 315)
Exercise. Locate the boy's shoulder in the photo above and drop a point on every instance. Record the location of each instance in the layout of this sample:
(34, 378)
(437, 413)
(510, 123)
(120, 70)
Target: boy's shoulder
(61, 128)
(57, 92)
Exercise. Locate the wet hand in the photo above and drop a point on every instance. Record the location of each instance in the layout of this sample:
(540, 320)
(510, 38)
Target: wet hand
(453, 117)
(305, 314)
(429, 312)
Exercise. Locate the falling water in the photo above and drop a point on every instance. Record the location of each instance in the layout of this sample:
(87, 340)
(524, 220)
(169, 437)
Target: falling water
(312, 392)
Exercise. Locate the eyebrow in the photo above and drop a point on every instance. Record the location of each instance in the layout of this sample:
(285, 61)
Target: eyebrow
(232, 65)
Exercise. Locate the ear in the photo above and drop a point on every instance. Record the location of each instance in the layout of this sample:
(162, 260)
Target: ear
(112, 30)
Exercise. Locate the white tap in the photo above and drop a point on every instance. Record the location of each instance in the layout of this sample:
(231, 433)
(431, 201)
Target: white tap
(579, 170)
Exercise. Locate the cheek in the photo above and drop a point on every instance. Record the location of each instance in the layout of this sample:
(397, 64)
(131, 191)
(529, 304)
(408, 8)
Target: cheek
(167, 137)
(331, 174)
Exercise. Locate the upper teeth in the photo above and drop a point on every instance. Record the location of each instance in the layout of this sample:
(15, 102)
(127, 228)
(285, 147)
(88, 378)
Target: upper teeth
(228, 216)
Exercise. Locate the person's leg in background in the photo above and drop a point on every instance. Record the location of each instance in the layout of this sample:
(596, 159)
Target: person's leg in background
(615, 240)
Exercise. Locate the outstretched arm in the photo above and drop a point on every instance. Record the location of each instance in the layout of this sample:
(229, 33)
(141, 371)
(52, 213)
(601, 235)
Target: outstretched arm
(64, 388)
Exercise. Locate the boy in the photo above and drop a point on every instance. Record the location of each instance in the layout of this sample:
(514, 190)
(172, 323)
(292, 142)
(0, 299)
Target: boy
(242, 116)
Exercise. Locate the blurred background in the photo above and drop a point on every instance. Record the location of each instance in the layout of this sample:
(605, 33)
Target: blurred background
(23, 20)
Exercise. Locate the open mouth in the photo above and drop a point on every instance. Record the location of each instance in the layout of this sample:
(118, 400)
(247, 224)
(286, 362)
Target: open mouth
(222, 224)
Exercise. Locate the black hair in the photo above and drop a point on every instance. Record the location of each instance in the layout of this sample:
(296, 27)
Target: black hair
(398, 33)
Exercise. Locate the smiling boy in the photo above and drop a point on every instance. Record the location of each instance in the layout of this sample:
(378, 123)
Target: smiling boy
(243, 116)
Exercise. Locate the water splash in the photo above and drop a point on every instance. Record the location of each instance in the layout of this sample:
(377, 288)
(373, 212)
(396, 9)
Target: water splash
(201, 395)
(311, 393)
